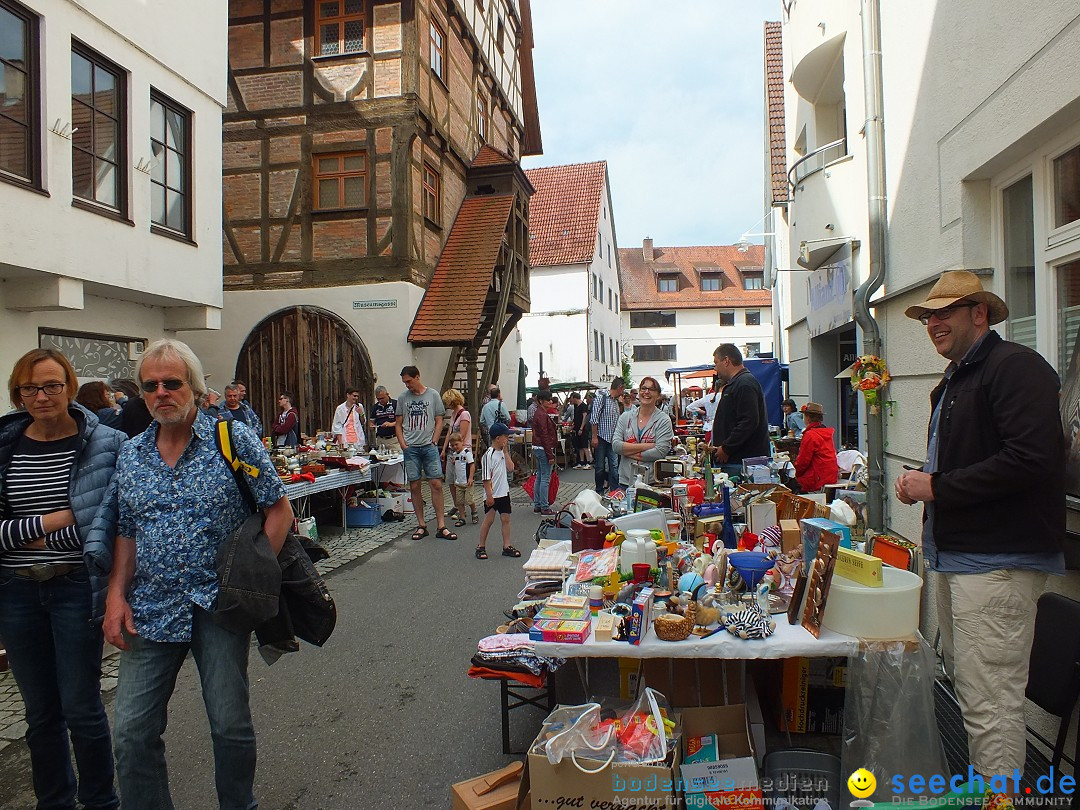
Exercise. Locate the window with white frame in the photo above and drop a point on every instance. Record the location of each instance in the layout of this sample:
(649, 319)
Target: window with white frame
(1037, 253)
(753, 317)
(727, 317)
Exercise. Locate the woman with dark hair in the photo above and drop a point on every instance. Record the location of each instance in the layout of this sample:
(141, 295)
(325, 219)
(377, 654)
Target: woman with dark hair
(56, 464)
(643, 433)
(794, 422)
(96, 397)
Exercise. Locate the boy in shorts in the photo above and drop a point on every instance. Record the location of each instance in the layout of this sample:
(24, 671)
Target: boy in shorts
(464, 468)
(494, 469)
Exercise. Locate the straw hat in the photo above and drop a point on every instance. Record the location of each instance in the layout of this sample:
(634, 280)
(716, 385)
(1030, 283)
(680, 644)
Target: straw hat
(960, 285)
(813, 408)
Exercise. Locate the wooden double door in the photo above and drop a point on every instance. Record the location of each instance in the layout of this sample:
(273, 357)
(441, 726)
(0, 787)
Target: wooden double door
(311, 353)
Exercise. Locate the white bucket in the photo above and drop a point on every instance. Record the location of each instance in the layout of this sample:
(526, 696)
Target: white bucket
(888, 612)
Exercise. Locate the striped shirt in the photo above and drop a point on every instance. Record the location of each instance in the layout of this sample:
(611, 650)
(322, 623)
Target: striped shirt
(36, 483)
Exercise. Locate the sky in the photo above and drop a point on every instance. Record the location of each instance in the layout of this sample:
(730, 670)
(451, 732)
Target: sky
(671, 96)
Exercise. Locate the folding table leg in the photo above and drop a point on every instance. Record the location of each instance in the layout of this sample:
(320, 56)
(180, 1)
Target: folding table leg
(504, 689)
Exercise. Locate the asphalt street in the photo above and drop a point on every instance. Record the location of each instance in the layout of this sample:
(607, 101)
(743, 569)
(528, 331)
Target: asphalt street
(384, 715)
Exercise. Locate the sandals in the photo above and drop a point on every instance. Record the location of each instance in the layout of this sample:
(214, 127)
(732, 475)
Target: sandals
(510, 551)
(459, 520)
(475, 517)
(445, 534)
(481, 553)
(420, 533)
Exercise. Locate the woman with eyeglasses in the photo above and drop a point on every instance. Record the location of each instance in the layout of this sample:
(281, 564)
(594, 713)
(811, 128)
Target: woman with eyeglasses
(643, 434)
(56, 464)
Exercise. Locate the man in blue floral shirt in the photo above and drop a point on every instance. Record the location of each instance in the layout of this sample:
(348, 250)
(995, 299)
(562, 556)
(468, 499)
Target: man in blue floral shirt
(177, 502)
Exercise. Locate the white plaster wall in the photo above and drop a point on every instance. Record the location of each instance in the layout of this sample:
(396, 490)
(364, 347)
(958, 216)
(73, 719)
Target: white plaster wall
(384, 332)
(561, 339)
(45, 234)
(105, 316)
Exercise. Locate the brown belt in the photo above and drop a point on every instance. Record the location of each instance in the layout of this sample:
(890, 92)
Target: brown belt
(43, 572)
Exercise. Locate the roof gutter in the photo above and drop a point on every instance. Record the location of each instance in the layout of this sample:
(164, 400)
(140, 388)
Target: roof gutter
(877, 207)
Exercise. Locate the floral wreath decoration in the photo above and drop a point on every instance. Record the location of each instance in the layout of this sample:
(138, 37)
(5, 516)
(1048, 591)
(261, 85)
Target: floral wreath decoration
(870, 375)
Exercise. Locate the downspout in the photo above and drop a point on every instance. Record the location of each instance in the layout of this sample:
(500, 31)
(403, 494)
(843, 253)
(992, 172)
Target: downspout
(877, 210)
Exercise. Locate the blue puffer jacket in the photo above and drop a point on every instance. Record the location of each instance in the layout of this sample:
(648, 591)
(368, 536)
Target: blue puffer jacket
(92, 489)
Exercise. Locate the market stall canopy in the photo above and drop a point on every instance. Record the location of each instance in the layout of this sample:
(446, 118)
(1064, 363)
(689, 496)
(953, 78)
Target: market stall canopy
(767, 370)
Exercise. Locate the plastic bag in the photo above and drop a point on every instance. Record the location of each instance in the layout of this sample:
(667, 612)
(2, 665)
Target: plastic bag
(553, 486)
(645, 733)
(571, 730)
(889, 720)
(587, 502)
(593, 564)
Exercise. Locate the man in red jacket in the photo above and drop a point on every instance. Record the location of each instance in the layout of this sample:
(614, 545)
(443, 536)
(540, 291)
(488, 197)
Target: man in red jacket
(816, 465)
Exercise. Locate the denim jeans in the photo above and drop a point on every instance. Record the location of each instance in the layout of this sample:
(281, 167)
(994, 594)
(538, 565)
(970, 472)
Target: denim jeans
(604, 456)
(147, 678)
(55, 656)
(543, 479)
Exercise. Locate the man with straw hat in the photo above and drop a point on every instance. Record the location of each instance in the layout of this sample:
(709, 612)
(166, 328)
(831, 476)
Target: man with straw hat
(993, 490)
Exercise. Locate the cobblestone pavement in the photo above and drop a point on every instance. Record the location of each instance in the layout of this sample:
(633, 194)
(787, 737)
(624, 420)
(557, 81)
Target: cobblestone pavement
(345, 546)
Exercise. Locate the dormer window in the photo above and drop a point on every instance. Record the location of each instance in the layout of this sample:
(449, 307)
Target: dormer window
(753, 279)
(667, 283)
(712, 282)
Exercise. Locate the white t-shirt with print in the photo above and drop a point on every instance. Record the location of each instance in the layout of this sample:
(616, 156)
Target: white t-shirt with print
(461, 462)
(493, 469)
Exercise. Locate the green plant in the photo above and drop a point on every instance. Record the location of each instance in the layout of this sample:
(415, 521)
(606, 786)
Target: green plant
(626, 370)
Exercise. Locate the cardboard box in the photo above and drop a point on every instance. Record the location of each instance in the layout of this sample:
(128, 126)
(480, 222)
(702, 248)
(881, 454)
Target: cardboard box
(564, 614)
(563, 632)
(732, 779)
(761, 515)
(641, 615)
(811, 529)
(631, 785)
(713, 524)
(497, 790)
(858, 567)
(812, 695)
(790, 535)
(562, 600)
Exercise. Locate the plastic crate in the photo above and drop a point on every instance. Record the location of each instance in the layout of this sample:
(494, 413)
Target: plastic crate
(363, 516)
(802, 777)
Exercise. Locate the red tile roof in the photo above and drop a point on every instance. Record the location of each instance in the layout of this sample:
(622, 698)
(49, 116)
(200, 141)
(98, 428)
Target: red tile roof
(637, 277)
(453, 304)
(490, 156)
(774, 98)
(564, 213)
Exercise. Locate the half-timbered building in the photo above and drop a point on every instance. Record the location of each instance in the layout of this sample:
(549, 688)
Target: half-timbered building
(375, 214)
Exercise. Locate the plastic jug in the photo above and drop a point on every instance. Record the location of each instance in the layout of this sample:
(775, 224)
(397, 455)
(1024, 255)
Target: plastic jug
(639, 547)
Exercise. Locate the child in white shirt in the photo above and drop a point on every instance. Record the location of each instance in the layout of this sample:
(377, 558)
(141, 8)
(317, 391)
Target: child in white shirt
(495, 467)
(464, 467)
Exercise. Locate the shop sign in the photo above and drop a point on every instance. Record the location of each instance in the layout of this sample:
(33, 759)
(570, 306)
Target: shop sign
(385, 303)
(831, 296)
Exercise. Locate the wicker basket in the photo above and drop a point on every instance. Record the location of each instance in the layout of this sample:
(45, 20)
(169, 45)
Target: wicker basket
(672, 627)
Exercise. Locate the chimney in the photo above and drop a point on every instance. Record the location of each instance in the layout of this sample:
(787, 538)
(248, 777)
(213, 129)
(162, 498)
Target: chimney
(646, 249)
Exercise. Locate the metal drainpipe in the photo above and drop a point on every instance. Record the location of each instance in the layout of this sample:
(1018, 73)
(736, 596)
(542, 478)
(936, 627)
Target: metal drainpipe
(877, 209)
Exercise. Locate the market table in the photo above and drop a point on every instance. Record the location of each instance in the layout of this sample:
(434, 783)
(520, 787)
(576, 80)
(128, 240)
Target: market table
(789, 641)
(339, 480)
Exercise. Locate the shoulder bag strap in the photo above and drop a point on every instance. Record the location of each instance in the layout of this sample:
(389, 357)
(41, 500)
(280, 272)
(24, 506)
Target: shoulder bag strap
(223, 437)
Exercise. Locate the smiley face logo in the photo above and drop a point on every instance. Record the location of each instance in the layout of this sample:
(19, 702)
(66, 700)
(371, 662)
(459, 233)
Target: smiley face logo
(861, 783)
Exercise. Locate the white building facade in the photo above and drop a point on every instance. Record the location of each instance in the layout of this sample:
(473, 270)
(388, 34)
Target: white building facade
(573, 332)
(982, 173)
(680, 303)
(110, 176)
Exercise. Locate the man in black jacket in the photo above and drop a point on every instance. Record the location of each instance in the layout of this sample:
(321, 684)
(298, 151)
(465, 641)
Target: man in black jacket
(993, 489)
(741, 424)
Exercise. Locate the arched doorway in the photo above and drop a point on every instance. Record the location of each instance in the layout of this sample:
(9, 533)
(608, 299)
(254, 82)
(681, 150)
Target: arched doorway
(313, 354)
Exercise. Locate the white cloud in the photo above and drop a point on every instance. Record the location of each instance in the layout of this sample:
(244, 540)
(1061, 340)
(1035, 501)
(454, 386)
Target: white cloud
(671, 96)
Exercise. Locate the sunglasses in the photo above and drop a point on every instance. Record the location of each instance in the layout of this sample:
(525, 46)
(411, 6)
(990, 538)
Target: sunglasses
(944, 313)
(150, 386)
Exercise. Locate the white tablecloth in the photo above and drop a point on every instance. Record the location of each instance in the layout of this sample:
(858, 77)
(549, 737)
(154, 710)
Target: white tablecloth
(787, 642)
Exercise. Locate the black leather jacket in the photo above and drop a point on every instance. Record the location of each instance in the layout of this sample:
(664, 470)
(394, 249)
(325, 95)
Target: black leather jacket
(1000, 484)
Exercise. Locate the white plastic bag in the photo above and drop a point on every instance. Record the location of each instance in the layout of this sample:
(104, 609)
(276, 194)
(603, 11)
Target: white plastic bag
(588, 502)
